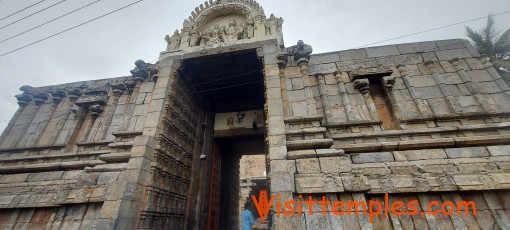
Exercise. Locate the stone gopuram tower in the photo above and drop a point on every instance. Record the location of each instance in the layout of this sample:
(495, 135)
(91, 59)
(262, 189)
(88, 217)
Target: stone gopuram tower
(422, 123)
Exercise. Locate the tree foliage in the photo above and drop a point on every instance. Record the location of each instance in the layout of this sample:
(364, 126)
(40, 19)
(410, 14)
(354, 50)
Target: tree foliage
(495, 45)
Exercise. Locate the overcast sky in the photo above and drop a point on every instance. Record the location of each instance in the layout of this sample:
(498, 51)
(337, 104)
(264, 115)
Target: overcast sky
(109, 46)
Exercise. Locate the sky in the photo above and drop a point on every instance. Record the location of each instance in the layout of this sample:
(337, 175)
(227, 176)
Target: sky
(108, 47)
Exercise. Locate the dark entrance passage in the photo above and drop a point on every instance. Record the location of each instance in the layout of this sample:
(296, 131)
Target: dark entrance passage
(231, 87)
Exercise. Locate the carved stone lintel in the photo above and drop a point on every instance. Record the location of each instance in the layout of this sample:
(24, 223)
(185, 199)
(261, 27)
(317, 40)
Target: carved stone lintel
(58, 95)
(24, 99)
(388, 82)
(118, 88)
(40, 98)
(362, 85)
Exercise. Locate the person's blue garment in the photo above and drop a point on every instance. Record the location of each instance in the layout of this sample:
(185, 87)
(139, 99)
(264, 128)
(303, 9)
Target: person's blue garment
(247, 220)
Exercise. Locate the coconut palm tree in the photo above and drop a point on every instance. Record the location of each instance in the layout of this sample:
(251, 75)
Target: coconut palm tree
(495, 45)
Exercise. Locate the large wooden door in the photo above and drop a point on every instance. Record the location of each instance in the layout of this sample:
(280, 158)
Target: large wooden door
(213, 215)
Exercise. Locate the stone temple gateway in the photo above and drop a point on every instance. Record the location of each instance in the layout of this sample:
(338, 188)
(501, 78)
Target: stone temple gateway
(160, 149)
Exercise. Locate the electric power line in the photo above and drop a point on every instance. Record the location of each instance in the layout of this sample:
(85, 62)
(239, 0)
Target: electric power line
(424, 31)
(71, 28)
(21, 10)
(52, 20)
(21, 19)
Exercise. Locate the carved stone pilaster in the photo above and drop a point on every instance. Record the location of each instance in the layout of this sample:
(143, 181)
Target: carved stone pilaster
(362, 85)
(143, 70)
(40, 98)
(118, 88)
(58, 95)
(388, 82)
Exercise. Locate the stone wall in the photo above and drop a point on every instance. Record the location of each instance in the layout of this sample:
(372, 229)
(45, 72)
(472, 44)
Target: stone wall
(125, 146)
(451, 111)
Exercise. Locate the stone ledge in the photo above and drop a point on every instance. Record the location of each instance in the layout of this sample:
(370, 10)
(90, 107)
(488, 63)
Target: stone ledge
(454, 116)
(93, 143)
(309, 144)
(352, 123)
(125, 144)
(54, 155)
(314, 130)
(32, 148)
(132, 133)
(115, 157)
(421, 131)
(45, 167)
(425, 144)
(302, 119)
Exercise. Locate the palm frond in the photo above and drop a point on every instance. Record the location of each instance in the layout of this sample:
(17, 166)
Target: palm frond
(502, 45)
(477, 39)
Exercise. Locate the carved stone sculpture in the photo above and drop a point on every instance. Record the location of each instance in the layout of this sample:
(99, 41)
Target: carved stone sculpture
(174, 41)
(250, 27)
(388, 82)
(363, 85)
(301, 52)
(143, 70)
(58, 95)
(233, 32)
(213, 36)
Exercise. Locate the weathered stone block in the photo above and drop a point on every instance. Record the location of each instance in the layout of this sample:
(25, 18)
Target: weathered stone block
(282, 182)
(417, 47)
(329, 152)
(278, 153)
(405, 59)
(283, 166)
(402, 167)
(382, 51)
(356, 183)
(335, 164)
(323, 58)
(425, 154)
(419, 81)
(318, 183)
(446, 55)
(310, 165)
(499, 150)
(347, 55)
(298, 154)
(322, 68)
(426, 92)
(45, 176)
(467, 152)
(375, 157)
(371, 169)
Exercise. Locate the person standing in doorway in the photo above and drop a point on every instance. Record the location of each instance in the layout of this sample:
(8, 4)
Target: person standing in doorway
(248, 219)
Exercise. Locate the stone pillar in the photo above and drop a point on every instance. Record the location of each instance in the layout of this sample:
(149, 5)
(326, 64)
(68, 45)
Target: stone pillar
(282, 62)
(324, 97)
(310, 102)
(351, 113)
